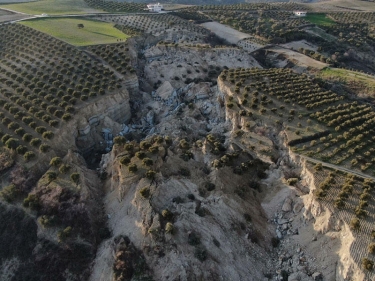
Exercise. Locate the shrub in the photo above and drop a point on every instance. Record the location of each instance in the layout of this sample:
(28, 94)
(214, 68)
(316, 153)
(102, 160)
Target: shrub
(20, 131)
(150, 174)
(55, 161)
(140, 155)
(125, 160)
(320, 193)
(48, 135)
(47, 221)
(66, 117)
(21, 149)
(184, 144)
(354, 224)
(13, 126)
(318, 167)
(168, 215)
(5, 138)
(35, 142)
(154, 149)
(120, 140)
(144, 145)
(51, 176)
(40, 129)
(12, 143)
(168, 140)
(32, 202)
(133, 168)
(145, 192)
(29, 155)
(64, 168)
(367, 264)
(75, 178)
(62, 235)
(128, 147)
(9, 193)
(27, 137)
(147, 162)
(44, 148)
(339, 203)
(292, 181)
(33, 125)
(359, 212)
(53, 123)
(371, 248)
(169, 228)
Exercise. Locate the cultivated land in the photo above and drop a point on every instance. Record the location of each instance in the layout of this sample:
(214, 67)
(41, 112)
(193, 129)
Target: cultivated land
(188, 153)
(52, 7)
(362, 84)
(319, 19)
(66, 29)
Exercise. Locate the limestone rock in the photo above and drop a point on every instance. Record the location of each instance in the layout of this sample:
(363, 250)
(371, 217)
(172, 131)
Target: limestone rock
(287, 206)
(297, 207)
(150, 117)
(165, 90)
(317, 276)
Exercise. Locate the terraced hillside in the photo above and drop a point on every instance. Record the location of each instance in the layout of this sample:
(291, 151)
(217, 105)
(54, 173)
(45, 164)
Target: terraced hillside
(45, 82)
(318, 123)
(153, 24)
(350, 199)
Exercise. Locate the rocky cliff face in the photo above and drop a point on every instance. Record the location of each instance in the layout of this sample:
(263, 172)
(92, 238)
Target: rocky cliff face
(109, 112)
(197, 222)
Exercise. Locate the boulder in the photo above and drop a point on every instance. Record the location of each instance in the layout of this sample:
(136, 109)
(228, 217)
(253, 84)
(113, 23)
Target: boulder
(317, 276)
(297, 207)
(287, 206)
(150, 117)
(165, 90)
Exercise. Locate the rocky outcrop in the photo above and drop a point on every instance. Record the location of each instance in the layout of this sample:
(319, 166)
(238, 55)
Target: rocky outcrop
(214, 233)
(85, 130)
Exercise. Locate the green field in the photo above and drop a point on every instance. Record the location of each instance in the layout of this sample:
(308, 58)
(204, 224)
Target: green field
(94, 32)
(51, 7)
(319, 19)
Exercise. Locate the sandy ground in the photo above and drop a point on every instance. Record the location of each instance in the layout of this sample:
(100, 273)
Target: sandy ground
(226, 32)
(300, 59)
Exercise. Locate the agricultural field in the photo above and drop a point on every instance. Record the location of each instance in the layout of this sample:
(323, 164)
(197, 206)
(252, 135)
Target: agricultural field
(269, 25)
(51, 7)
(360, 83)
(351, 199)
(66, 29)
(153, 23)
(45, 82)
(116, 55)
(319, 19)
(115, 6)
(318, 123)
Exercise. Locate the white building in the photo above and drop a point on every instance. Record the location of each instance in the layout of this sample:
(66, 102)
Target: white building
(300, 13)
(155, 7)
